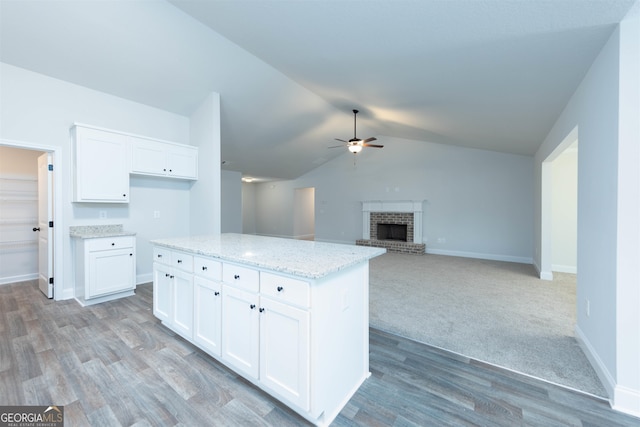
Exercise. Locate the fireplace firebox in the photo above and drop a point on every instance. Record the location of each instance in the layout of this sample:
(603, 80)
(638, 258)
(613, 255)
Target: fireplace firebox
(397, 232)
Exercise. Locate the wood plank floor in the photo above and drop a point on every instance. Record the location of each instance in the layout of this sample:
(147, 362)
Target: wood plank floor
(114, 364)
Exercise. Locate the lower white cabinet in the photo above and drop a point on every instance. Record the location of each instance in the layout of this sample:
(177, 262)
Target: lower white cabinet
(241, 330)
(207, 305)
(173, 291)
(284, 351)
(105, 268)
(303, 341)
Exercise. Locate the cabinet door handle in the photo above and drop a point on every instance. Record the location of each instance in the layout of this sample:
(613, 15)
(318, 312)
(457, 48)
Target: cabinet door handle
(236, 276)
(124, 195)
(252, 306)
(159, 255)
(171, 277)
(204, 268)
(216, 293)
(113, 244)
(280, 288)
(166, 274)
(261, 310)
(130, 254)
(179, 261)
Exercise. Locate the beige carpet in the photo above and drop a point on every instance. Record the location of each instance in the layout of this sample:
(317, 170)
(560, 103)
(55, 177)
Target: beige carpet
(497, 312)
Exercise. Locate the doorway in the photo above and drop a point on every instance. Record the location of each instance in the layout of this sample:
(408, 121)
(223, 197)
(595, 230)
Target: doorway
(304, 213)
(551, 216)
(46, 265)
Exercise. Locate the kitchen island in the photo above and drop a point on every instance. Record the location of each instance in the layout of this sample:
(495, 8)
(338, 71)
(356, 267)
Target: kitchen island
(290, 316)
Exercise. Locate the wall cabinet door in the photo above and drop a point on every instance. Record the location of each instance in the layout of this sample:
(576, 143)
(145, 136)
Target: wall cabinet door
(182, 316)
(284, 351)
(162, 291)
(101, 166)
(240, 330)
(182, 162)
(149, 157)
(207, 326)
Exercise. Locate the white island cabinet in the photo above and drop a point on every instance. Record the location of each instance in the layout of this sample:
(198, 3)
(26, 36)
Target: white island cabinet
(290, 316)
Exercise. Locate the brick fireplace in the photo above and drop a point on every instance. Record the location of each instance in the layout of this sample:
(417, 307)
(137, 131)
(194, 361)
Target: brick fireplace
(394, 225)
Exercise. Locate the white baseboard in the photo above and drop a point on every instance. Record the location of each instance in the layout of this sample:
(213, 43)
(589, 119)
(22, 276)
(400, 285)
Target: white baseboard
(543, 275)
(16, 279)
(493, 257)
(601, 370)
(564, 268)
(626, 400)
(621, 399)
(144, 278)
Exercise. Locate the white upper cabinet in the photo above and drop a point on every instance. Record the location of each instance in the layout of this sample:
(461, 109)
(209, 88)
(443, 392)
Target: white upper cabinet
(150, 157)
(101, 166)
(103, 160)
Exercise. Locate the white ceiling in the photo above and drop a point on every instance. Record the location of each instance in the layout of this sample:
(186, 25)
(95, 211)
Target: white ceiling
(488, 74)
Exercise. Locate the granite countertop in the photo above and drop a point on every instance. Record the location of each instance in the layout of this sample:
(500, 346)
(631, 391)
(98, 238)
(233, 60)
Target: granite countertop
(301, 258)
(97, 231)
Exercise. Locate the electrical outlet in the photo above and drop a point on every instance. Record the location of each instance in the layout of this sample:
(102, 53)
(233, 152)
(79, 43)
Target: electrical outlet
(588, 308)
(442, 240)
(102, 214)
(156, 214)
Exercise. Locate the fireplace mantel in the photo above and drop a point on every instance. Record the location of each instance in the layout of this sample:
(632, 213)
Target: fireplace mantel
(413, 206)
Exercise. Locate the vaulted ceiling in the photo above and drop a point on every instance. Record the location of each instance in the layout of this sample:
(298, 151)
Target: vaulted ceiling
(487, 74)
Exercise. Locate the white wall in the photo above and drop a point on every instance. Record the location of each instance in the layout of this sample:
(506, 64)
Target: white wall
(479, 201)
(605, 108)
(249, 211)
(564, 206)
(206, 192)
(304, 213)
(231, 202)
(39, 110)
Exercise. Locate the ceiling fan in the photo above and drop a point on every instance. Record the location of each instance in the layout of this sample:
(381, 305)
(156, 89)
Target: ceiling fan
(355, 144)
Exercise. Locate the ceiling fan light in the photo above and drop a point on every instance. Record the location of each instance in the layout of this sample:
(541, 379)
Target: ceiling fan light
(355, 148)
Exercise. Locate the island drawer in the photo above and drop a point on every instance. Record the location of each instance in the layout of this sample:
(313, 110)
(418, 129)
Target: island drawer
(182, 260)
(162, 255)
(285, 289)
(207, 268)
(241, 277)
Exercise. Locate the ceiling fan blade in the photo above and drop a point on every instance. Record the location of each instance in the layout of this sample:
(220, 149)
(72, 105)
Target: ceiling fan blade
(341, 140)
(368, 139)
(336, 146)
(373, 145)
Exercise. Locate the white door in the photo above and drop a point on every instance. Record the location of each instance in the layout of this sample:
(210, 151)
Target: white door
(45, 233)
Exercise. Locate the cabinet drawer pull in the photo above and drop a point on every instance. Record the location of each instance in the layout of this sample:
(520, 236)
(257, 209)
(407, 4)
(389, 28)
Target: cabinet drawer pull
(204, 268)
(130, 254)
(159, 255)
(113, 244)
(124, 195)
(171, 277)
(261, 310)
(216, 293)
(252, 306)
(236, 276)
(280, 288)
(166, 274)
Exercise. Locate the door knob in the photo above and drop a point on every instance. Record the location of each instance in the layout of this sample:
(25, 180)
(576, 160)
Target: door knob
(36, 228)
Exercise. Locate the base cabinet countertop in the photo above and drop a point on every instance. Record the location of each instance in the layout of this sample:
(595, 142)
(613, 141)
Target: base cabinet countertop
(290, 316)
